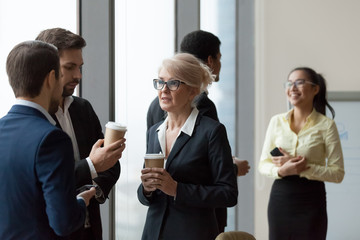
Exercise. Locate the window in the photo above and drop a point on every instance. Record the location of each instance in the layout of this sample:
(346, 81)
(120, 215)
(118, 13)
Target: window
(218, 17)
(19, 24)
(144, 36)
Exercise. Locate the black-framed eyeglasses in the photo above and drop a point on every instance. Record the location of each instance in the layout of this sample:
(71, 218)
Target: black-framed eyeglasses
(172, 85)
(299, 83)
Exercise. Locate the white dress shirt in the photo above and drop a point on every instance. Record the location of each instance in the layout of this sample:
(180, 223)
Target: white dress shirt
(187, 128)
(64, 119)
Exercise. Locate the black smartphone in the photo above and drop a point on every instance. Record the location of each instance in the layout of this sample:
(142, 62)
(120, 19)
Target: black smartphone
(276, 152)
(84, 188)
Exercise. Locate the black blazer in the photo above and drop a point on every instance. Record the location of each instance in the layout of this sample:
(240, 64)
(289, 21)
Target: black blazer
(88, 130)
(202, 165)
(207, 108)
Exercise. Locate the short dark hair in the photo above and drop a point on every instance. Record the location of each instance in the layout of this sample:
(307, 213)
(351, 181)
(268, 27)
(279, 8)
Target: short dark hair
(28, 64)
(63, 39)
(201, 44)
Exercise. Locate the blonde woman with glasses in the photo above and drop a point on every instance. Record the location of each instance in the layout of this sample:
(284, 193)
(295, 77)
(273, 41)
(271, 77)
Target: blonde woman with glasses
(198, 175)
(301, 151)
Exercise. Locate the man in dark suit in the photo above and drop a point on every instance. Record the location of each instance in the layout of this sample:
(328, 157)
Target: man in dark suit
(77, 118)
(38, 199)
(206, 47)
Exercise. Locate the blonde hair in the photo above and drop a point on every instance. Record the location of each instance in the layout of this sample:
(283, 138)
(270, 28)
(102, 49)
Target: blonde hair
(187, 68)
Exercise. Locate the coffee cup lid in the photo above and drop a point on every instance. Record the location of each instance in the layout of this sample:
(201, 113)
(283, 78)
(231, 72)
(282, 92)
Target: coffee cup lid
(154, 155)
(116, 126)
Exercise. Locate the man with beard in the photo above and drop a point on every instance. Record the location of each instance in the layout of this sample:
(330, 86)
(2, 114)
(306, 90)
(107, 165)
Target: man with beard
(38, 199)
(77, 118)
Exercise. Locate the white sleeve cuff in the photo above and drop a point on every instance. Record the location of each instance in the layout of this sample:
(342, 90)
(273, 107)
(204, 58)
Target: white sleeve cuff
(92, 168)
(78, 197)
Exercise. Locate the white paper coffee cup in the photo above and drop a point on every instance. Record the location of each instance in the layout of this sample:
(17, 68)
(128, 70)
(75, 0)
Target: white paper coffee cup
(113, 132)
(153, 160)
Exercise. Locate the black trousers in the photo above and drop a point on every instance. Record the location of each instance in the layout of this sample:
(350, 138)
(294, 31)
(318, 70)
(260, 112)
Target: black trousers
(297, 209)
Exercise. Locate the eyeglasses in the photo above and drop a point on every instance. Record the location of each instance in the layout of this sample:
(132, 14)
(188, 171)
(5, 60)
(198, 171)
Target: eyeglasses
(172, 85)
(298, 83)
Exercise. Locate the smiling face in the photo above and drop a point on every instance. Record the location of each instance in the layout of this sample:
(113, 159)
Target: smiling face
(71, 62)
(174, 101)
(301, 95)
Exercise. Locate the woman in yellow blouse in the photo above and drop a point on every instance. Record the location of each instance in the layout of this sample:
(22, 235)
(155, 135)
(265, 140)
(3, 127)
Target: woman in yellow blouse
(311, 154)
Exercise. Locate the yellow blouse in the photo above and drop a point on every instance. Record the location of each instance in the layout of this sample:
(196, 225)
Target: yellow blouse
(317, 141)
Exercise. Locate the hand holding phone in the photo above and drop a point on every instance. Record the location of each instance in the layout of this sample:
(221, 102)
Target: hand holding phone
(276, 152)
(85, 194)
(98, 195)
(86, 187)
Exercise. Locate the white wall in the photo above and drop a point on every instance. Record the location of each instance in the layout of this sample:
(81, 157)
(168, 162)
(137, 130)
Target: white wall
(321, 34)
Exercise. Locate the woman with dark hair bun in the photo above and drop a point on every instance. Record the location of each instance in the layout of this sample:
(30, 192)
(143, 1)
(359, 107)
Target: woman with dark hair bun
(309, 153)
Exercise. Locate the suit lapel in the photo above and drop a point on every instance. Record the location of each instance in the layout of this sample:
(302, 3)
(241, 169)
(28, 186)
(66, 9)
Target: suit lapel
(77, 125)
(80, 127)
(74, 120)
(179, 144)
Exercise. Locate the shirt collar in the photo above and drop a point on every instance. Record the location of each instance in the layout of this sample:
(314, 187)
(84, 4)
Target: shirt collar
(189, 125)
(312, 116)
(36, 106)
(67, 102)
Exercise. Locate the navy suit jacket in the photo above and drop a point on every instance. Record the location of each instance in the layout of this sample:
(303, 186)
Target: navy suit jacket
(202, 165)
(37, 184)
(88, 130)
